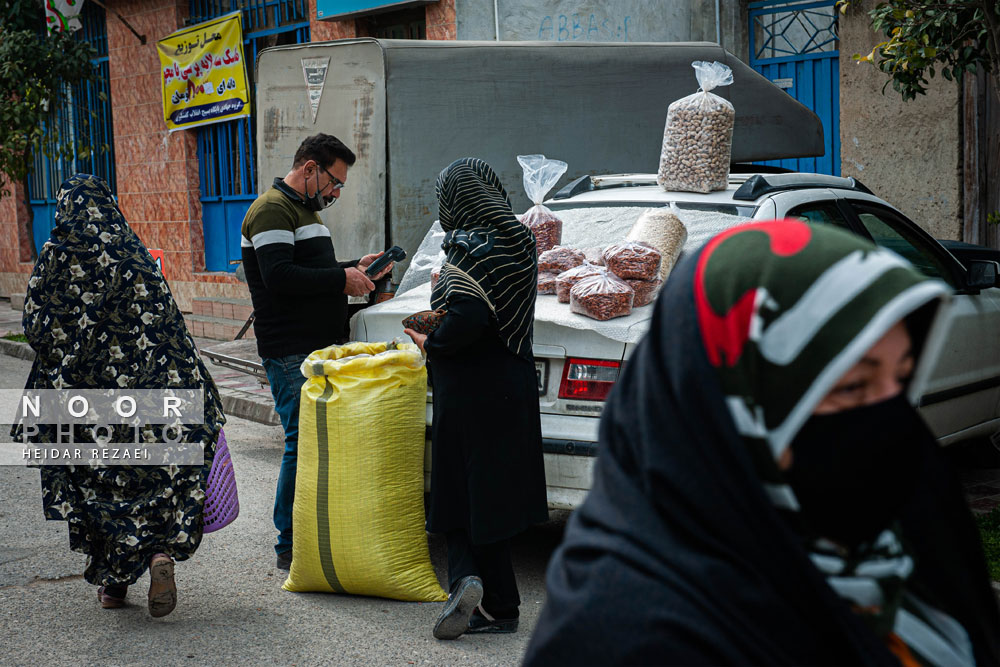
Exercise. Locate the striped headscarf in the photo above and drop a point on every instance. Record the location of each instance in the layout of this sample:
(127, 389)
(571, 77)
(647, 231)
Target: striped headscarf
(489, 254)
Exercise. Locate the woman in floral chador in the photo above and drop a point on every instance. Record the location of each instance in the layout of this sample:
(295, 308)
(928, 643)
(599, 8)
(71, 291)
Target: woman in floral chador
(99, 315)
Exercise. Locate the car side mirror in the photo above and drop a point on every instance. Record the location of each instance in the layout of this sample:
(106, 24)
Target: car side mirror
(982, 274)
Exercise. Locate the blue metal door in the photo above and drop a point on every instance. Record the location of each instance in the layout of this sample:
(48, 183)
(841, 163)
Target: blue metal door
(794, 44)
(227, 152)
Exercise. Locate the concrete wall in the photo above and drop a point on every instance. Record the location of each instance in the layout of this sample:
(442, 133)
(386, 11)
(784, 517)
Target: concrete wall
(908, 153)
(603, 21)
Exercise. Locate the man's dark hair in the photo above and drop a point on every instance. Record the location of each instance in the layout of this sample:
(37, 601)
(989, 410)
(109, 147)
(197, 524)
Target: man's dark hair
(324, 149)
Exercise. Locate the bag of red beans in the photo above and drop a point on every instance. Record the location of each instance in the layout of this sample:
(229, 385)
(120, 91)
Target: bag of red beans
(601, 297)
(540, 175)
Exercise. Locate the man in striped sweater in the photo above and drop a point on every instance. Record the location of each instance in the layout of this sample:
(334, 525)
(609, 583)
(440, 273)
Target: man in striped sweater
(299, 291)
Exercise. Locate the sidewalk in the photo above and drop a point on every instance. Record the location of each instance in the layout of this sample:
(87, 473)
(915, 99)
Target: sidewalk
(243, 396)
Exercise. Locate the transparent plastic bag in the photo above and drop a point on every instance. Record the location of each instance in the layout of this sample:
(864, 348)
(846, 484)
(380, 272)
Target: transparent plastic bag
(602, 297)
(540, 175)
(594, 255)
(633, 259)
(546, 283)
(566, 279)
(645, 291)
(662, 229)
(428, 257)
(698, 137)
(559, 259)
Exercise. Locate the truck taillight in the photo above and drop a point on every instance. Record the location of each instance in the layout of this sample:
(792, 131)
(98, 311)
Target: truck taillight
(588, 379)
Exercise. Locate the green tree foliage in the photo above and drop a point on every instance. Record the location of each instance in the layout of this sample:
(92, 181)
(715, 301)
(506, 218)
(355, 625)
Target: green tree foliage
(35, 71)
(955, 36)
(989, 531)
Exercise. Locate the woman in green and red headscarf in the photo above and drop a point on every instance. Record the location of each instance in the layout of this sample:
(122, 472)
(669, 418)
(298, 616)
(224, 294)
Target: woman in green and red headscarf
(99, 315)
(766, 493)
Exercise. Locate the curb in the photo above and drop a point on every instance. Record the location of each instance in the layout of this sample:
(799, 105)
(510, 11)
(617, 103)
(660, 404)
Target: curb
(237, 404)
(234, 403)
(12, 348)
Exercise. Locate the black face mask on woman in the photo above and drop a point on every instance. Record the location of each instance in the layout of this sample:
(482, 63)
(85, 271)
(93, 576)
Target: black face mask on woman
(852, 471)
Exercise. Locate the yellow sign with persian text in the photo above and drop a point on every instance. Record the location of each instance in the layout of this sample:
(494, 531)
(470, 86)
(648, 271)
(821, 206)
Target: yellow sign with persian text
(203, 74)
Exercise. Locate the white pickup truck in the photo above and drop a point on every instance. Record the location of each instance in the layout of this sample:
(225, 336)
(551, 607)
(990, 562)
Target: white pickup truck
(578, 359)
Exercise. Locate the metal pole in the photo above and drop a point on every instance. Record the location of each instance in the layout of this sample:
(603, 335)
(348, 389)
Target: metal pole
(142, 38)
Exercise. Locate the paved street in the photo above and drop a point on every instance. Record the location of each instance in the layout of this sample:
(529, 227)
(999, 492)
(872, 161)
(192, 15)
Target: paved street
(231, 608)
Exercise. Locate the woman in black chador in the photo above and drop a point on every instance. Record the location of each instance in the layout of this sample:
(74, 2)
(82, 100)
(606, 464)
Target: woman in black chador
(487, 478)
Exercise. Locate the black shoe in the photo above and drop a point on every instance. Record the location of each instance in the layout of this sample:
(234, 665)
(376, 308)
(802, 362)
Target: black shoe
(454, 618)
(479, 623)
(284, 560)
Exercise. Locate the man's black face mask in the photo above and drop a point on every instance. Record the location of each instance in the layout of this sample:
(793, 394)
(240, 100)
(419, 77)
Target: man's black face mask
(317, 202)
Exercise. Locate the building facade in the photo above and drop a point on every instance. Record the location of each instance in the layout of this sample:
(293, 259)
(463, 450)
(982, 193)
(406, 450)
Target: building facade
(185, 192)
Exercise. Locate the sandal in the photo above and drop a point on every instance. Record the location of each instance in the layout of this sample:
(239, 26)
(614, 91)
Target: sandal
(162, 596)
(111, 597)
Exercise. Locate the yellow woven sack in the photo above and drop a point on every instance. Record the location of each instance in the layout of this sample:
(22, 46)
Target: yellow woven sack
(358, 519)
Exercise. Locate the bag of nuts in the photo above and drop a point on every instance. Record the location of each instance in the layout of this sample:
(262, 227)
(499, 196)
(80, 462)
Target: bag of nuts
(559, 259)
(566, 279)
(540, 175)
(663, 230)
(633, 259)
(645, 291)
(698, 137)
(594, 255)
(546, 283)
(601, 297)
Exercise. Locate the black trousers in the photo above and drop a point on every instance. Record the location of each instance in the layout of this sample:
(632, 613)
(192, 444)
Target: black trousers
(492, 564)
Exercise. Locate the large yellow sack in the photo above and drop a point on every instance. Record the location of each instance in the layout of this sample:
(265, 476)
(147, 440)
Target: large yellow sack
(358, 519)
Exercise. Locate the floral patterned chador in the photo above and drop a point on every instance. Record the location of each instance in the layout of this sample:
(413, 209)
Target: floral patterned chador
(99, 315)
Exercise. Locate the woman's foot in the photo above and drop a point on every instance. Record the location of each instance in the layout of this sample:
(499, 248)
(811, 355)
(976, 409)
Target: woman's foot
(112, 597)
(482, 622)
(162, 596)
(454, 618)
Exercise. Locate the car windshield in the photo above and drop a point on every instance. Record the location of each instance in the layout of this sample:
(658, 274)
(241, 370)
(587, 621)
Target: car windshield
(600, 225)
(595, 225)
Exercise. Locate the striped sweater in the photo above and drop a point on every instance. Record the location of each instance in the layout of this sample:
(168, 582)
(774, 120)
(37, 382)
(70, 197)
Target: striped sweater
(295, 280)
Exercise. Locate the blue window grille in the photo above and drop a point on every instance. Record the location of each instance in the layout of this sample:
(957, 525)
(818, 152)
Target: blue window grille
(794, 43)
(77, 125)
(227, 152)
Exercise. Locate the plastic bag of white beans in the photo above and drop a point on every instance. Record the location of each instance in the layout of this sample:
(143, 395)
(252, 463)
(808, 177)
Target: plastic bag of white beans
(698, 137)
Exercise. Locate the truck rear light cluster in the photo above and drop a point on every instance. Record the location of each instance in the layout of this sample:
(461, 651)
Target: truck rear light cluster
(588, 379)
